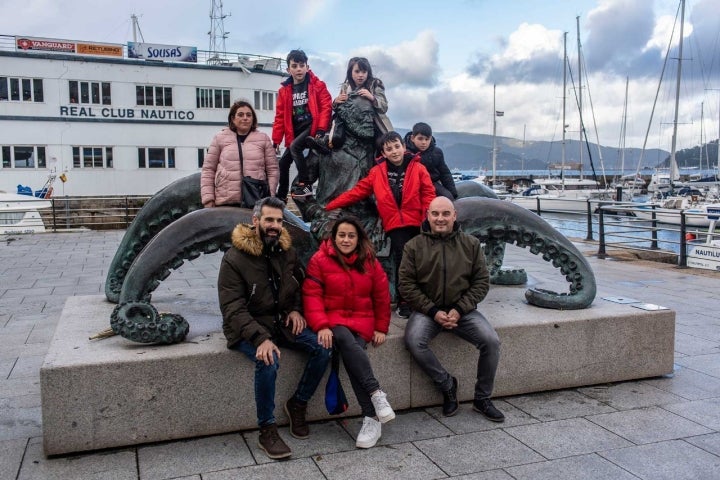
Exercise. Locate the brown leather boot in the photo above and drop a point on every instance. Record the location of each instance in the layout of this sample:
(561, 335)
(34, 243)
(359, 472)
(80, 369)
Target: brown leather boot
(298, 425)
(270, 441)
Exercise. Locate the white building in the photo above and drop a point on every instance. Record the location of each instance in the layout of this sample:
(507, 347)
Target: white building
(116, 125)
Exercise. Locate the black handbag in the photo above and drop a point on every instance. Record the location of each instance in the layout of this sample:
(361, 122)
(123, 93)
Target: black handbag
(251, 189)
(335, 399)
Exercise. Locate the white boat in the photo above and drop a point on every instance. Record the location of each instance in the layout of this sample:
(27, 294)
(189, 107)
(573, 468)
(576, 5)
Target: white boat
(705, 254)
(669, 211)
(19, 214)
(115, 124)
(662, 181)
(551, 199)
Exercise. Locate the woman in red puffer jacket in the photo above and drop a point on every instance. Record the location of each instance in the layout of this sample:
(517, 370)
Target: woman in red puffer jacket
(347, 302)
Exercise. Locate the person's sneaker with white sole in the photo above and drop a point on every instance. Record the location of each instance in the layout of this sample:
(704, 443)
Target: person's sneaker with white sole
(383, 410)
(369, 433)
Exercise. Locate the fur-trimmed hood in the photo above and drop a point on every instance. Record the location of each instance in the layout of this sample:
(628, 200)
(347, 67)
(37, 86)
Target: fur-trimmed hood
(246, 239)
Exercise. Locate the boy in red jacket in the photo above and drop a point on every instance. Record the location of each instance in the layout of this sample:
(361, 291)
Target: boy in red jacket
(403, 191)
(303, 109)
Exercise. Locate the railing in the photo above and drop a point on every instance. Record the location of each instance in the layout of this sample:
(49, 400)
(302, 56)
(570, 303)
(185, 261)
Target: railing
(250, 61)
(615, 226)
(95, 213)
(648, 234)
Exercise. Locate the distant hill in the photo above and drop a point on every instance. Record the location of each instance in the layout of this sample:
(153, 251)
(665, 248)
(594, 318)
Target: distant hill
(691, 157)
(471, 151)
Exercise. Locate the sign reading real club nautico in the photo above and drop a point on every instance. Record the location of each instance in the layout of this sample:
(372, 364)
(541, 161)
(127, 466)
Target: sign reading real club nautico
(126, 113)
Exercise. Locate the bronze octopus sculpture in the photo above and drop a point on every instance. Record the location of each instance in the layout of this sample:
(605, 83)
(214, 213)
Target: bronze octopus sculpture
(173, 227)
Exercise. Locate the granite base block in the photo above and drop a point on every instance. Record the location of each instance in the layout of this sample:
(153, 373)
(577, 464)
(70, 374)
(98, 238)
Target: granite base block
(108, 393)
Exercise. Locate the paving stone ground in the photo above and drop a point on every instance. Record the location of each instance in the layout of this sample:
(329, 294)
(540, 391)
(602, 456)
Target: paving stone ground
(659, 428)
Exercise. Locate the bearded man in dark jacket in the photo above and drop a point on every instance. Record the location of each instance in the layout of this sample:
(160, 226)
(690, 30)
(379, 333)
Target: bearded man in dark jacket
(443, 276)
(259, 287)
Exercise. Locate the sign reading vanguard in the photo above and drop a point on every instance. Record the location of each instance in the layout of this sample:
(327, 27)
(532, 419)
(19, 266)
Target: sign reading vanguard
(29, 44)
(126, 113)
(153, 51)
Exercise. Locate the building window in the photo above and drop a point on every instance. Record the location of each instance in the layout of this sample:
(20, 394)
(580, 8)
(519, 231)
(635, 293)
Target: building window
(89, 93)
(154, 95)
(265, 100)
(92, 157)
(212, 98)
(21, 89)
(201, 156)
(156, 157)
(23, 156)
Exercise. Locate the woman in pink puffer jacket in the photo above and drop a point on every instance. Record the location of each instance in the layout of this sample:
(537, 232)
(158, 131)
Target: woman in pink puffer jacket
(221, 173)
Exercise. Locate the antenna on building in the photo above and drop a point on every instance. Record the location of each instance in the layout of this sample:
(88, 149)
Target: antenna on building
(217, 33)
(136, 28)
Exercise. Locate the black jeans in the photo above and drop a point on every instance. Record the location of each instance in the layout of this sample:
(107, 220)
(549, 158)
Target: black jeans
(357, 364)
(294, 153)
(398, 238)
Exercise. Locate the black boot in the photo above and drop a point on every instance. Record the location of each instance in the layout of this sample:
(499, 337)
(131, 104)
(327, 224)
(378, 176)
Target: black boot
(450, 402)
(320, 144)
(271, 443)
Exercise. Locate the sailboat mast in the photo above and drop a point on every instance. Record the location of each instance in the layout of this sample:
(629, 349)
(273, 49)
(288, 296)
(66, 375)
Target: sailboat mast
(623, 130)
(580, 107)
(674, 173)
(494, 148)
(564, 98)
(702, 119)
(522, 165)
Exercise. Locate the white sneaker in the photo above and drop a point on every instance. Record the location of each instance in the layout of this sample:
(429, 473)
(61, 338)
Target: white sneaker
(383, 410)
(369, 433)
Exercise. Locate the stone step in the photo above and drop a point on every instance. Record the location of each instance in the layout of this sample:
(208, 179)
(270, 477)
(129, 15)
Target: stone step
(108, 393)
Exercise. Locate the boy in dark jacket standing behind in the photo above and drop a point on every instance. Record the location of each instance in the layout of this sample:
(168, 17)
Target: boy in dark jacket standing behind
(303, 109)
(421, 141)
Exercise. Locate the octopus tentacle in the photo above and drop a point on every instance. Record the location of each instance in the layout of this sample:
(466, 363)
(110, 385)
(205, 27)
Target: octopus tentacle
(496, 221)
(198, 232)
(172, 202)
(494, 248)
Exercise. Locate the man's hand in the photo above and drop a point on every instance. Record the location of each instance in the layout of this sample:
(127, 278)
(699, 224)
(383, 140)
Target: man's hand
(378, 338)
(445, 320)
(325, 337)
(265, 352)
(297, 320)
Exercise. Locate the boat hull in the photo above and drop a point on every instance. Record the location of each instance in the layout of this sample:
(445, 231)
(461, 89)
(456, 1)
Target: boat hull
(19, 214)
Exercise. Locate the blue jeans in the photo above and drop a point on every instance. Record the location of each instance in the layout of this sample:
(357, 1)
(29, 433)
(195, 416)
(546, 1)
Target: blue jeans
(474, 328)
(265, 375)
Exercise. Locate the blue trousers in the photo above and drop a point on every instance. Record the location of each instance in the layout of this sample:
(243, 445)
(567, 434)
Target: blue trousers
(265, 375)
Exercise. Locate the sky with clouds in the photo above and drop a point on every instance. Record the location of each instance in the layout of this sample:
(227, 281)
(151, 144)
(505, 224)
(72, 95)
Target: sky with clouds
(439, 60)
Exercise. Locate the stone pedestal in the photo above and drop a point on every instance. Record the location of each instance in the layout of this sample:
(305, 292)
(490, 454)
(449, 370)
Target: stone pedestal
(113, 392)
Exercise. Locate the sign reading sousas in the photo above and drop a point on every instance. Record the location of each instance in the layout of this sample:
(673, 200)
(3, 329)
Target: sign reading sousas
(154, 51)
(125, 113)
